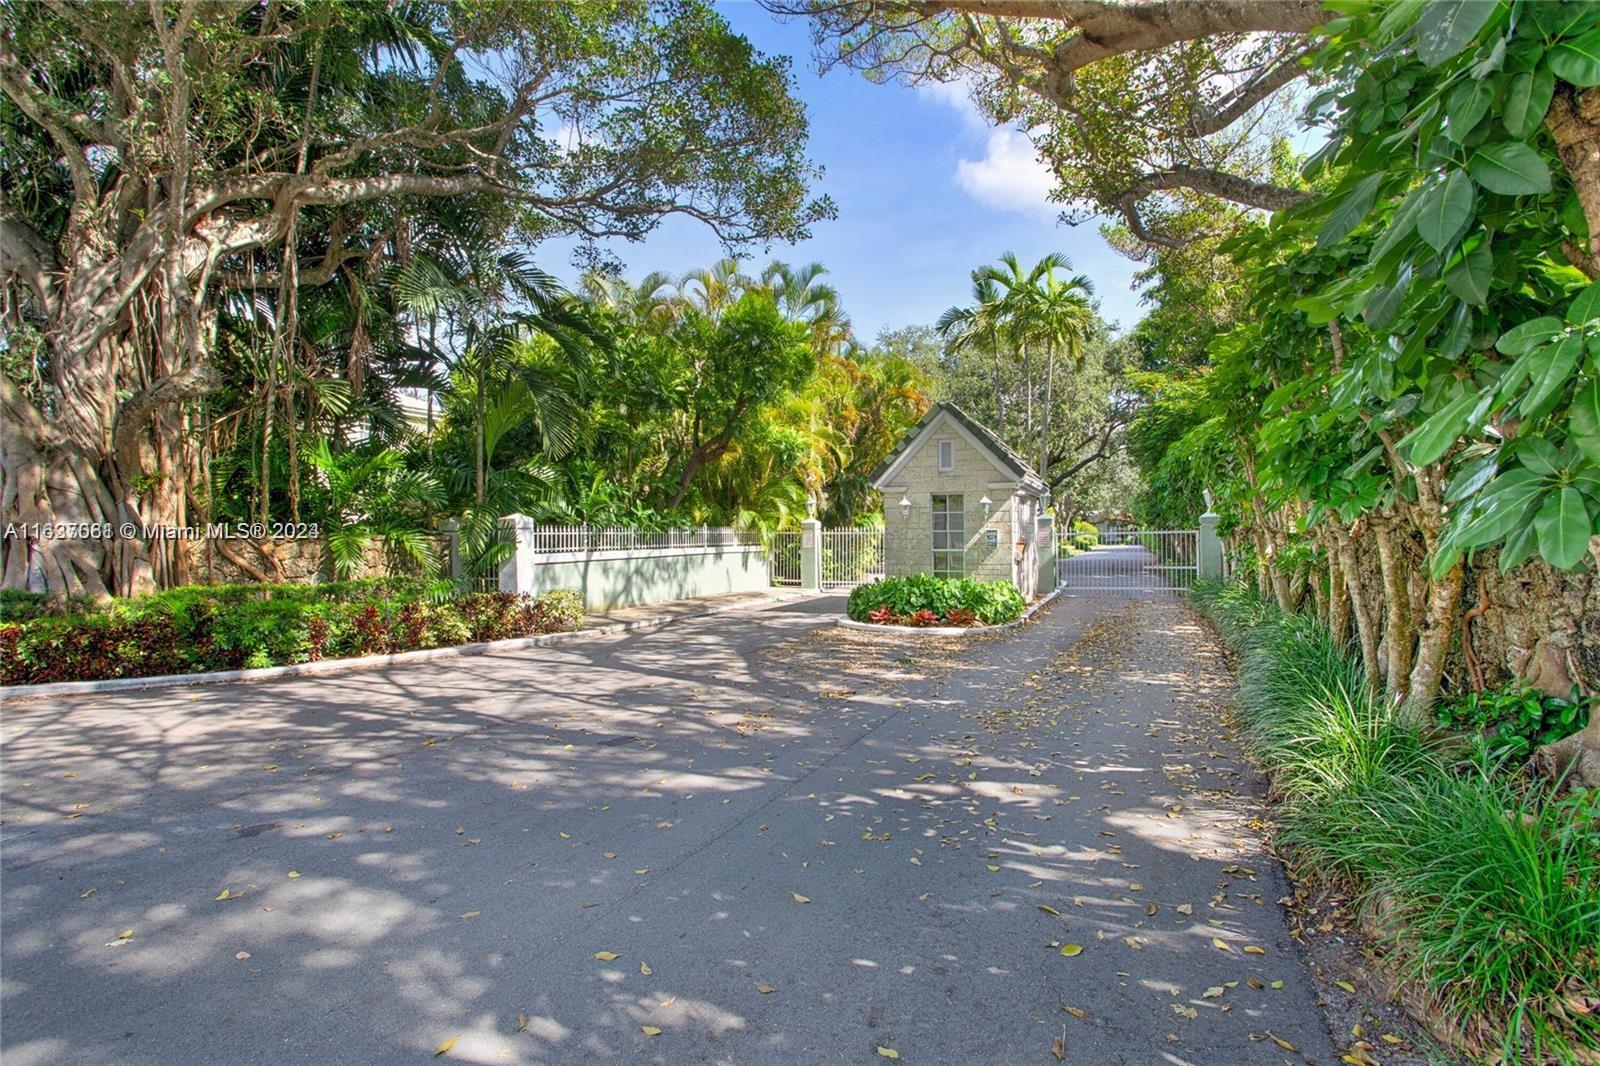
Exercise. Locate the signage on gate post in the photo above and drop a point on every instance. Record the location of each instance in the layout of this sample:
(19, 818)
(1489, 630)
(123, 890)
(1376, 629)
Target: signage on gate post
(811, 555)
(1208, 552)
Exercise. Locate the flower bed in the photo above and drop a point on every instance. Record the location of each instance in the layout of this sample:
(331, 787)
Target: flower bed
(925, 601)
(230, 627)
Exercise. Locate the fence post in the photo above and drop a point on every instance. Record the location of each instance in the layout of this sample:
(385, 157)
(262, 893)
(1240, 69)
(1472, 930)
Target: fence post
(516, 573)
(1045, 545)
(1208, 556)
(450, 529)
(811, 555)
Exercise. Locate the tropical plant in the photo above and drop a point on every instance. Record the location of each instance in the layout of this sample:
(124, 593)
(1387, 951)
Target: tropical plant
(368, 497)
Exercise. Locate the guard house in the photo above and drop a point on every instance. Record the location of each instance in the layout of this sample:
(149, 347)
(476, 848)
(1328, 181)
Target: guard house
(957, 502)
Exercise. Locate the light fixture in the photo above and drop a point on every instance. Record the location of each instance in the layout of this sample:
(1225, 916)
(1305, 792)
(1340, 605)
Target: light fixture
(905, 506)
(811, 507)
(988, 505)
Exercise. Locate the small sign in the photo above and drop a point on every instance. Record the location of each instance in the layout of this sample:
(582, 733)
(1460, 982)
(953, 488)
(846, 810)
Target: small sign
(992, 537)
(807, 538)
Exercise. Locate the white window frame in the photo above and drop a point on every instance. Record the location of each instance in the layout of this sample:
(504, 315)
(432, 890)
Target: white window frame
(949, 543)
(947, 456)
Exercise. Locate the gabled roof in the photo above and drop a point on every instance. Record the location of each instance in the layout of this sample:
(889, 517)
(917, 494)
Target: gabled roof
(1001, 454)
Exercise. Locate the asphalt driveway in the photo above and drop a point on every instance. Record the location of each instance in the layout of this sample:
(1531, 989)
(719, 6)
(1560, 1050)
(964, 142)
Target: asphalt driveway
(749, 838)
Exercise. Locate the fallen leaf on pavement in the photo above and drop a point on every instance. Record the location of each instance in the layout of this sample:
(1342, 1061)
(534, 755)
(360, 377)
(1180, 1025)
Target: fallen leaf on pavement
(798, 898)
(888, 1052)
(650, 1030)
(644, 968)
(446, 1046)
(605, 956)
(1070, 950)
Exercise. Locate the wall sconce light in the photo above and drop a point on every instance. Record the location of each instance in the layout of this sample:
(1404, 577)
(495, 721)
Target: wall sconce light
(905, 506)
(988, 505)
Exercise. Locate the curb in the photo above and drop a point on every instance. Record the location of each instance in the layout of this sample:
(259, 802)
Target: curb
(846, 622)
(14, 693)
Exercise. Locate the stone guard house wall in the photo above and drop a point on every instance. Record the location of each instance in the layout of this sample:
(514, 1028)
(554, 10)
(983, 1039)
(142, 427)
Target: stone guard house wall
(908, 540)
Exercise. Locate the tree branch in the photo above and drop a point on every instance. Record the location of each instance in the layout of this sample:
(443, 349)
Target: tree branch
(137, 410)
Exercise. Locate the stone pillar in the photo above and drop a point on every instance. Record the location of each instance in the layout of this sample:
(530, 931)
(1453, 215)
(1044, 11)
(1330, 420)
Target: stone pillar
(1208, 558)
(1046, 548)
(516, 573)
(450, 529)
(811, 555)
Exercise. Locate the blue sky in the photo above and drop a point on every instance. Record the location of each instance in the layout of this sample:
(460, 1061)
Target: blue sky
(926, 191)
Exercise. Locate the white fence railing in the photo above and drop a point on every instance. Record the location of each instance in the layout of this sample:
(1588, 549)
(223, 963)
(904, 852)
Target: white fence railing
(851, 557)
(546, 540)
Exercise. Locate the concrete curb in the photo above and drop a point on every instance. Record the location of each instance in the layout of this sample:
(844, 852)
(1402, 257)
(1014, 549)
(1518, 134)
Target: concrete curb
(847, 622)
(15, 693)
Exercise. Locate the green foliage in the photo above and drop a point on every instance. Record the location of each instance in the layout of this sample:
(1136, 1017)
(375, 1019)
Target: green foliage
(227, 627)
(988, 602)
(1467, 332)
(1489, 883)
(371, 497)
(1508, 723)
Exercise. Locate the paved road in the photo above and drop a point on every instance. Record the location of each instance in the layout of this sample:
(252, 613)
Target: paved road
(801, 844)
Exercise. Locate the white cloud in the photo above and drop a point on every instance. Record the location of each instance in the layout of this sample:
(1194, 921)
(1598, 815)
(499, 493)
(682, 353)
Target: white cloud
(1009, 177)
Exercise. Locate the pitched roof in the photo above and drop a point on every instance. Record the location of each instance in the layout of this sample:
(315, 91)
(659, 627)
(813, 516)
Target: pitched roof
(1003, 455)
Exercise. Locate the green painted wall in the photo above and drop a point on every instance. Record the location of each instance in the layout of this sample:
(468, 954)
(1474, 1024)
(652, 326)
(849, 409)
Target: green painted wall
(628, 579)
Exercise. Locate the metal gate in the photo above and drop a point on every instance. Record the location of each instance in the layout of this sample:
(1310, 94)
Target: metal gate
(783, 559)
(1130, 560)
(851, 557)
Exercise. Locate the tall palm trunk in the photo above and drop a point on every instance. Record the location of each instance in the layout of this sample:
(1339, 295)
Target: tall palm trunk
(1044, 417)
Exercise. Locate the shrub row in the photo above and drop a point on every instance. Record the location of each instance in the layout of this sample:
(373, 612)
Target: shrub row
(230, 627)
(924, 600)
(1485, 880)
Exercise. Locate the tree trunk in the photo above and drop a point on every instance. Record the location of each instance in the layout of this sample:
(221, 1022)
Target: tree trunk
(1433, 644)
(1366, 628)
(1574, 124)
(1399, 625)
(1044, 416)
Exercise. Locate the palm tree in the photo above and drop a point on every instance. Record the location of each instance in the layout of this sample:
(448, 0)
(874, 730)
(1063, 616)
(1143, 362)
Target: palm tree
(712, 290)
(977, 329)
(652, 304)
(1035, 307)
(1060, 315)
(801, 296)
(473, 329)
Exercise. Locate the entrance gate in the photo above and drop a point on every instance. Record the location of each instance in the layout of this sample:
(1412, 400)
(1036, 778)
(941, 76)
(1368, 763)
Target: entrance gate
(1130, 560)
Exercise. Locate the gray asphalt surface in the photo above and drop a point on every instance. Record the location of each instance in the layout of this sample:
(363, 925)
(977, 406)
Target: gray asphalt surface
(802, 844)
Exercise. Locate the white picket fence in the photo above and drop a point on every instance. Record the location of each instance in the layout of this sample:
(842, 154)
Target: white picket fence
(549, 540)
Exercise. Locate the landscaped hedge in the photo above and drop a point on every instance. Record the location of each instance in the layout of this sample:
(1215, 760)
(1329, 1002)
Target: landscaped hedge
(228, 627)
(1484, 880)
(924, 600)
